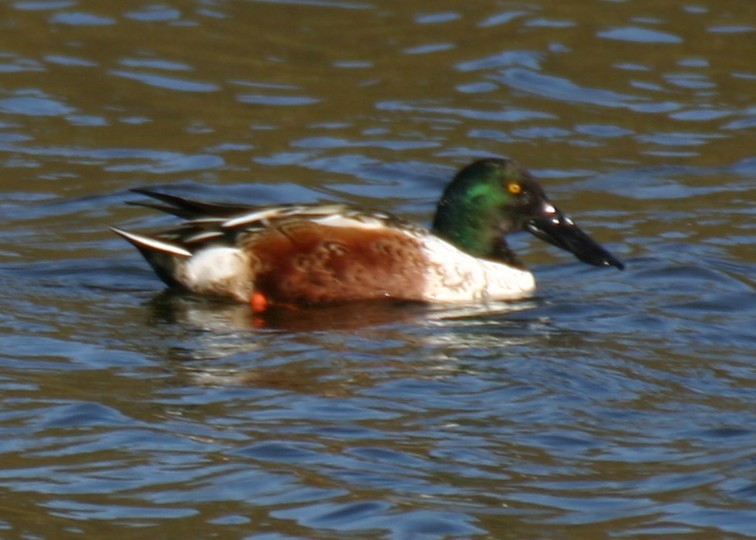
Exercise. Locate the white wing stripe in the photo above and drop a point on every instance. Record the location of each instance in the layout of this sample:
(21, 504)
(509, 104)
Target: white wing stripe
(153, 243)
(202, 237)
(250, 218)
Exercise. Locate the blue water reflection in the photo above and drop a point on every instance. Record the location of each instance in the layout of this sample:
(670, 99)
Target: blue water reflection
(610, 404)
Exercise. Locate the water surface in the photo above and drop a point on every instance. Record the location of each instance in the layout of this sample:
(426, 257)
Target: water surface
(612, 404)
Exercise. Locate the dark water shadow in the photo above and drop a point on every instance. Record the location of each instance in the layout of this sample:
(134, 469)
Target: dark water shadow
(173, 307)
(178, 308)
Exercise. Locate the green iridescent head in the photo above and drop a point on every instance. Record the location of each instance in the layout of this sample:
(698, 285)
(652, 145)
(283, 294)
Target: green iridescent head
(493, 197)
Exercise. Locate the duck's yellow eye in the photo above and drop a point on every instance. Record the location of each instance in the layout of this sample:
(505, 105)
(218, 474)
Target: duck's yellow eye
(514, 188)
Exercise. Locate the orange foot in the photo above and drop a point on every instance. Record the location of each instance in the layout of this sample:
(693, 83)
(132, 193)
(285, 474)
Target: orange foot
(259, 302)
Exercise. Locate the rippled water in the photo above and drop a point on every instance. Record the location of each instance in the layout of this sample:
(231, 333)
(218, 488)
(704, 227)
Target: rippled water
(612, 404)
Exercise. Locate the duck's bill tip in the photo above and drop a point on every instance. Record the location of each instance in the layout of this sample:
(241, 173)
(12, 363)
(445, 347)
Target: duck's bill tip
(590, 252)
(615, 262)
(562, 232)
(603, 259)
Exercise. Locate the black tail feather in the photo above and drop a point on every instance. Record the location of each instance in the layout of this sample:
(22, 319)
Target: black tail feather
(187, 208)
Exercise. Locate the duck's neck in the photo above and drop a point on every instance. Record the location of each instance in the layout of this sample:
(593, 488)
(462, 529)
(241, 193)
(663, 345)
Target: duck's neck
(472, 231)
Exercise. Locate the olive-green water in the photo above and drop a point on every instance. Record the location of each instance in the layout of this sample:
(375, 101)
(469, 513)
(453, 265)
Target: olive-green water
(612, 404)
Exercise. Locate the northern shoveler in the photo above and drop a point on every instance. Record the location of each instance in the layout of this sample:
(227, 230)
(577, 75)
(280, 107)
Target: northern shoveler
(311, 254)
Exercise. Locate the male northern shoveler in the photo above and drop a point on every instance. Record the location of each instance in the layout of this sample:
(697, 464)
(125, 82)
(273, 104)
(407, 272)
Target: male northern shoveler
(317, 254)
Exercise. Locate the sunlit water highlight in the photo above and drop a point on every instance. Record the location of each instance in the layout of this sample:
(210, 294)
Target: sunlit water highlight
(611, 404)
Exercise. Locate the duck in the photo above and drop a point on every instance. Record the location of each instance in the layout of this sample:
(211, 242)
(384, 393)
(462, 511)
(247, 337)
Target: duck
(298, 255)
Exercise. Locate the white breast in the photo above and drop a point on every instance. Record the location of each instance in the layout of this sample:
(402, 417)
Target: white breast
(455, 276)
(223, 271)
